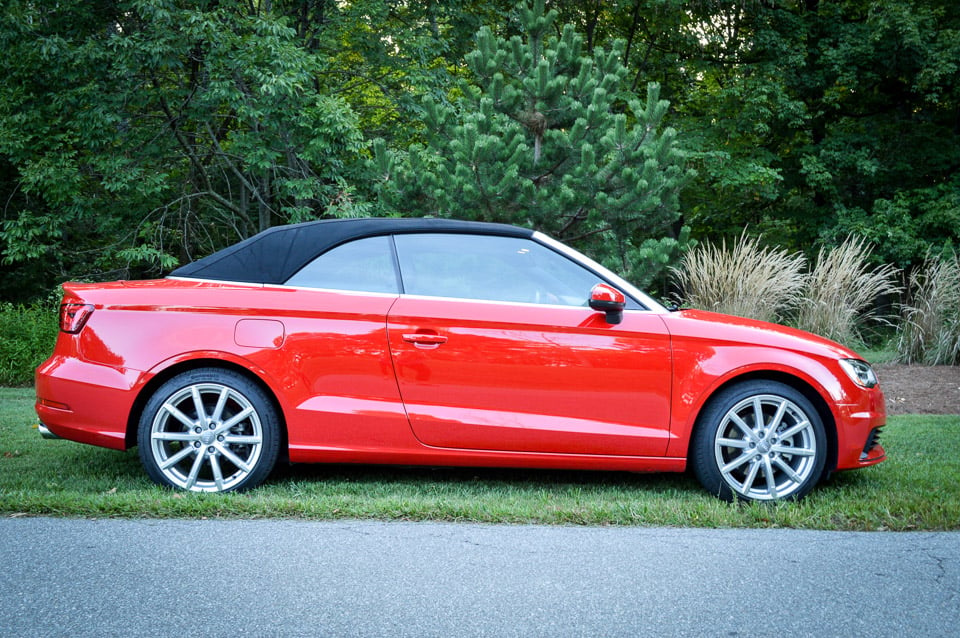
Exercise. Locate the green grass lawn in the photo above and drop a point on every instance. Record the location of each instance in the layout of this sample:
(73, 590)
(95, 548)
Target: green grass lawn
(918, 488)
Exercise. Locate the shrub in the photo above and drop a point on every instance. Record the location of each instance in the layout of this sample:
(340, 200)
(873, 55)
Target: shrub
(745, 280)
(834, 300)
(930, 330)
(27, 337)
(841, 290)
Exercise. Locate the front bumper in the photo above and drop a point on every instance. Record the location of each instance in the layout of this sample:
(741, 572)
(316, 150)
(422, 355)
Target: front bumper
(858, 431)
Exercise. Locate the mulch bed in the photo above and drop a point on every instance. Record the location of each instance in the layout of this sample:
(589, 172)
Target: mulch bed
(920, 389)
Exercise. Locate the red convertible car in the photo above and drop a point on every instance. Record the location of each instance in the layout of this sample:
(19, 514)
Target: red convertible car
(440, 342)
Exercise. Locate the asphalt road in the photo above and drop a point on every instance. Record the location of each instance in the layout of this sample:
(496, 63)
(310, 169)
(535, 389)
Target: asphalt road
(291, 578)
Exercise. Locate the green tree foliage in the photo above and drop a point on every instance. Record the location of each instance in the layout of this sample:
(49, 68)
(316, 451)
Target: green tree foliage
(546, 136)
(137, 134)
(145, 133)
(811, 120)
(382, 55)
(888, 161)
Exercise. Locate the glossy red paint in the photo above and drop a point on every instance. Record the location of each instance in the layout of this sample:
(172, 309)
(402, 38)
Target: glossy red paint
(396, 378)
(539, 379)
(581, 387)
(712, 350)
(606, 293)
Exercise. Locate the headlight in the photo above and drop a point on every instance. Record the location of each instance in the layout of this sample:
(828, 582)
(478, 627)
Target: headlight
(860, 371)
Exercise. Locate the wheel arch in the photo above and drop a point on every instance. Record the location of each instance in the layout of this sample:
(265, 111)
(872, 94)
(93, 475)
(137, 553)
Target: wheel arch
(192, 364)
(798, 384)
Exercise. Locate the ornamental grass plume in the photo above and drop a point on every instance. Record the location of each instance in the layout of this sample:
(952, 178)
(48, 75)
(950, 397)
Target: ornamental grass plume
(930, 327)
(745, 280)
(841, 292)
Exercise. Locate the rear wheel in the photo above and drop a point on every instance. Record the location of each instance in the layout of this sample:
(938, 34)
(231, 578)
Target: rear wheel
(209, 430)
(759, 441)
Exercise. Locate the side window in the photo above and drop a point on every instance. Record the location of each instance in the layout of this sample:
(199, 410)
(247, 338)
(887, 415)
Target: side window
(491, 268)
(364, 265)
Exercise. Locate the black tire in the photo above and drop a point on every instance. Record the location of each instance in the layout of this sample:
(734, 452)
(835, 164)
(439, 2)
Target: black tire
(209, 430)
(780, 458)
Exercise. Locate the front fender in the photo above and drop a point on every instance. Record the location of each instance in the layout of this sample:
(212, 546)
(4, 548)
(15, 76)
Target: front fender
(698, 377)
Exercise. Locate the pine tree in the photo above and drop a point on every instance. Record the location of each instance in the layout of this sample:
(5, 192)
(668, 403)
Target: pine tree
(547, 137)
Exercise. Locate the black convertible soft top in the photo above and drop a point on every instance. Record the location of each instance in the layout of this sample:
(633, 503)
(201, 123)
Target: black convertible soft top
(276, 254)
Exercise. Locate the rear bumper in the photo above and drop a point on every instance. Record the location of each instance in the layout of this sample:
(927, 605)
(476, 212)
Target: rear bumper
(85, 402)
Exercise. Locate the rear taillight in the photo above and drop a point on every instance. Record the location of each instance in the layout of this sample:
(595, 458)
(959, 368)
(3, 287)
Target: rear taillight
(73, 316)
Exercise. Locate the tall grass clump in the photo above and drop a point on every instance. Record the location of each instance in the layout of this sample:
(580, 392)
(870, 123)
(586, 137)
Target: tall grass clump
(27, 336)
(746, 280)
(930, 326)
(842, 290)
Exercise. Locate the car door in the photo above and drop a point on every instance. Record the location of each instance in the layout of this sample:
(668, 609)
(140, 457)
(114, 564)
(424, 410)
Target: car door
(339, 370)
(494, 348)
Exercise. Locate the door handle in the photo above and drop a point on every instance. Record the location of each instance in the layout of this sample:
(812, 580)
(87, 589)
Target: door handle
(421, 339)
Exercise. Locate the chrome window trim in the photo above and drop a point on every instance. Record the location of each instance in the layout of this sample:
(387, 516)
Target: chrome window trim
(339, 291)
(511, 304)
(227, 282)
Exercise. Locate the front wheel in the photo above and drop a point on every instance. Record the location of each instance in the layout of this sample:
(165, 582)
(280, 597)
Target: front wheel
(209, 430)
(759, 441)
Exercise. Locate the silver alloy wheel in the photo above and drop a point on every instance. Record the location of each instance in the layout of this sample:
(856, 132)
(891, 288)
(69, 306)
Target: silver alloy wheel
(206, 437)
(766, 447)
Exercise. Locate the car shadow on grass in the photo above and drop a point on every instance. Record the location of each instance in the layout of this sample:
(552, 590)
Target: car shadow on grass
(480, 478)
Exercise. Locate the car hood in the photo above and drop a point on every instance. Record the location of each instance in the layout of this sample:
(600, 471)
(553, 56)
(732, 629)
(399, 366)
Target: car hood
(701, 324)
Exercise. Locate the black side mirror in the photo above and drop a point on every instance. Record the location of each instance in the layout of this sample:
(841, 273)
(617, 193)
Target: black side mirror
(607, 299)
